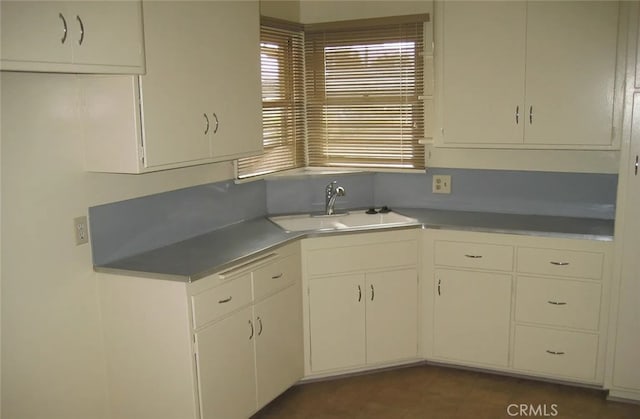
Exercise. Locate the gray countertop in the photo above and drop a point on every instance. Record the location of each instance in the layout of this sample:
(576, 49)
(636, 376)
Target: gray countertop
(208, 253)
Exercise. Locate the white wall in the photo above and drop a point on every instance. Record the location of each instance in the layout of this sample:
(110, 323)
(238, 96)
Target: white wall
(52, 358)
(315, 11)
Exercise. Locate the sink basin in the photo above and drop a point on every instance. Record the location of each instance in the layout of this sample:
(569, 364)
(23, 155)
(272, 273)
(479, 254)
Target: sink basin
(352, 220)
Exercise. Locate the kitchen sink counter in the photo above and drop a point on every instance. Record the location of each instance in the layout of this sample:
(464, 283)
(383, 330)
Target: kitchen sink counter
(220, 249)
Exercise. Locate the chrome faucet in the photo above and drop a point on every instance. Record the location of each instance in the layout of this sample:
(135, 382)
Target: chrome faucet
(332, 192)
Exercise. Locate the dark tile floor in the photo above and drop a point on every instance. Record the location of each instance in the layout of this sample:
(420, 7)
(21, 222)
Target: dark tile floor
(435, 392)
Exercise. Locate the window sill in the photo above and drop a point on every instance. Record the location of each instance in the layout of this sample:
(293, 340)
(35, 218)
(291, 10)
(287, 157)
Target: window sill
(307, 172)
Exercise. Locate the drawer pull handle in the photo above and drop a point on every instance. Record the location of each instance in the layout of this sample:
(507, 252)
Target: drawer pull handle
(557, 303)
(554, 352)
(277, 276)
(359, 293)
(559, 263)
(251, 326)
(439, 282)
(473, 256)
(226, 300)
(260, 323)
(373, 293)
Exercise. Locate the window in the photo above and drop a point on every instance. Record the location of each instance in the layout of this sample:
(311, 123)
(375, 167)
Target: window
(364, 87)
(283, 124)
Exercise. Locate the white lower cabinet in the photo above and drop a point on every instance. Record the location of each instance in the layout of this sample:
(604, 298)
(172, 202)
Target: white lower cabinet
(517, 303)
(358, 317)
(226, 367)
(220, 347)
(472, 316)
(278, 341)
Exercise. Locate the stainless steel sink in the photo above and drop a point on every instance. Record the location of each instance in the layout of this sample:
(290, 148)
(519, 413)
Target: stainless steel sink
(352, 220)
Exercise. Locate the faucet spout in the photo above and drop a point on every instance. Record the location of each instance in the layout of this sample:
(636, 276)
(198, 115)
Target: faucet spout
(332, 192)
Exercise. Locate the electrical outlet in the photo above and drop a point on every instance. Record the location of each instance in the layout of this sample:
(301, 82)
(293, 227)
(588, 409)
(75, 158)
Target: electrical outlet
(441, 184)
(81, 230)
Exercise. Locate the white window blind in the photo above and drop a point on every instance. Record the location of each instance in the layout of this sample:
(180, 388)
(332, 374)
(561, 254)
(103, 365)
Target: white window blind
(283, 124)
(364, 87)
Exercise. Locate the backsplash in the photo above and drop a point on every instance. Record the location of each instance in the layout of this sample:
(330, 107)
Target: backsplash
(125, 228)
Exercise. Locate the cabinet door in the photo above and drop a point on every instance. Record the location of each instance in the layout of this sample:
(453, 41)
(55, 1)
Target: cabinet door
(392, 315)
(111, 33)
(279, 352)
(571, 60)
(226, 367)
(235, 79)
(179, 45)
(472, 316)
(337, 319)
(483, 73)
(35, 32)
(626, 373)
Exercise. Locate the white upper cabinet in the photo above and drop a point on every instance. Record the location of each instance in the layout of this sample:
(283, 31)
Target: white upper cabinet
(199, 101)
(483, 71)
(528, 74)
(75, 36)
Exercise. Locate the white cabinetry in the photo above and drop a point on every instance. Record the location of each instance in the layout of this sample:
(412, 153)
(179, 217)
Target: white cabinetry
(472, 305)
(527, 74)
(362, 300)
(533, 305)
(559, 294)
(222, 346)
(199, 101)
(72, 36)
(472, 316)
(624, 375)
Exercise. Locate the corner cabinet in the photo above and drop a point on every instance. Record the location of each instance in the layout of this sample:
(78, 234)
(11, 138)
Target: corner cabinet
(527, 74)
(72, 36)
(524, 304)
(361, 301)
(199, 101)
(221, 347)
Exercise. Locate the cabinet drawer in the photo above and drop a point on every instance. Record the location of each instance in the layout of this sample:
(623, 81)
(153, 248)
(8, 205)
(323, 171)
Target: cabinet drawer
(362, 258)
(555, 352)
(275, 276)
(558, 302)
(474, 255)
(218, 301)
(570, 263)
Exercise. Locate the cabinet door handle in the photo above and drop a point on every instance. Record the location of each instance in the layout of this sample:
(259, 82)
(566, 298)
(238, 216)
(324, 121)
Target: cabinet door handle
(557, 303)
(226, 300)
(81, 40)
(251, 326)
(554, 352)
(473, 256)
(517, 114)
(206, 118)
(530, 115)
(260, 323)
(359, 293)
(439, 282)
(373, 292)
(215, 128)
(277, 276)
(636, 166)
(64, 28)
(559, 263)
